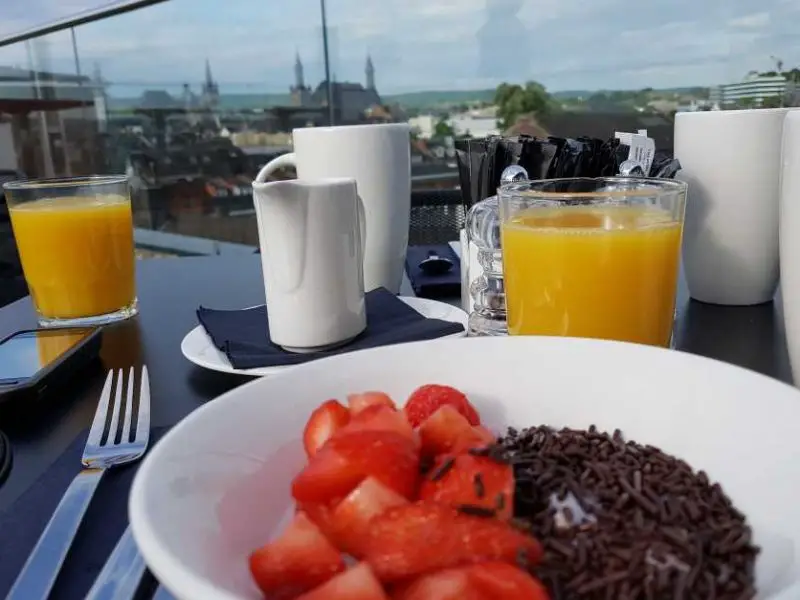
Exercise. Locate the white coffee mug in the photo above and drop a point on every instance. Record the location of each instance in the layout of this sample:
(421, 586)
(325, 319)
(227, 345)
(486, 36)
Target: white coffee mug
(790, 237)
(310, 233)
(731, 161)
(378, 157)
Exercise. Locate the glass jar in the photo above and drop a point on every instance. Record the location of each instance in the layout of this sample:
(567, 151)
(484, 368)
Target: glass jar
(488, 315)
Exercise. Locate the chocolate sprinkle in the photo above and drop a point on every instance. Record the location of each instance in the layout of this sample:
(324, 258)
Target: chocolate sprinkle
(480, 489)
(623, 521)
(443, 469)
(475, 511)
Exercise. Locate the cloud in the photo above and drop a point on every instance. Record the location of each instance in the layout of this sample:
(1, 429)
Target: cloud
(420, 44)
(753, 21)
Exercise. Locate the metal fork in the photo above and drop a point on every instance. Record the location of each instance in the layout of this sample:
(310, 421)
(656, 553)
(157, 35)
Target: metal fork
(122, 574)
(102, 451)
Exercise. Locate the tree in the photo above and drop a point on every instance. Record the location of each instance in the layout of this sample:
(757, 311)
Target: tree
(443, 129)
(772, 102)
(514, 101)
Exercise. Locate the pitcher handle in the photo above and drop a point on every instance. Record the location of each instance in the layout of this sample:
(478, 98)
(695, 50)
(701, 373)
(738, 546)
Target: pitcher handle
(284, 160)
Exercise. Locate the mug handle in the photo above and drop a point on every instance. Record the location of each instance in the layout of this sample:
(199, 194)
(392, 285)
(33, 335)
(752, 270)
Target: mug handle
(284, 160)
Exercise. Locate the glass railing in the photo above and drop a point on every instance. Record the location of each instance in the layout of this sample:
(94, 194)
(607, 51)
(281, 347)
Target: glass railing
(191, 99)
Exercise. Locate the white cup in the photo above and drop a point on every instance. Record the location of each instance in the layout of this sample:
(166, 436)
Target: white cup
(790, 237)
(378, 157)
(731, 161)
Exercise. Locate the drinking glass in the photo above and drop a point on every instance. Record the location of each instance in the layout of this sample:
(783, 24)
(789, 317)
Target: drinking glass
(75, 242)
(593, 258)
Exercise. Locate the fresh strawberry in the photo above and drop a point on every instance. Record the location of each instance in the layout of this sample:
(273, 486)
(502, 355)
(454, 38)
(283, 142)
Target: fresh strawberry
(321, 514)
(380, 417)
(358, 402)
(298, 561)
(426, 400)
(357, 583)
(466, 480)
(501, 580)
(440, 432)
(418, 538)
(346, 460)
(477, 437)
(345, 523)
(483, 581)
(326, 420)
(448, 584)
(352, 516)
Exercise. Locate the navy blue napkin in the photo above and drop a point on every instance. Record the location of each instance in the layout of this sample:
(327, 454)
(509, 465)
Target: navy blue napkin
(243, 335)
(433, 286)
(106, 519)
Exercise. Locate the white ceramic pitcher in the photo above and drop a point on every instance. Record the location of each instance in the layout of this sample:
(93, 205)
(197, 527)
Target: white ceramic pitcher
(312, 234)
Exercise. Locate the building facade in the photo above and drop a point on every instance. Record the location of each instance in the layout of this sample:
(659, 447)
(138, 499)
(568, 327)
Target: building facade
(754, 90)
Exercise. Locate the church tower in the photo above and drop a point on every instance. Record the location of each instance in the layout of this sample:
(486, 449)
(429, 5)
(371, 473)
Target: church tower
(370, 71)
(299, 79)
(210, 89)
(301, 94)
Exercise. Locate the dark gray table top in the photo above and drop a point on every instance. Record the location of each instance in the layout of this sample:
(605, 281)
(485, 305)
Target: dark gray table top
(171, 289)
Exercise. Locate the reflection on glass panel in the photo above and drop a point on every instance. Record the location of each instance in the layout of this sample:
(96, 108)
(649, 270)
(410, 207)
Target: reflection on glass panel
(192, 97)
(48, 108)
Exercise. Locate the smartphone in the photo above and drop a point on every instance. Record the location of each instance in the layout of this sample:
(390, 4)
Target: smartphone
(32, 361)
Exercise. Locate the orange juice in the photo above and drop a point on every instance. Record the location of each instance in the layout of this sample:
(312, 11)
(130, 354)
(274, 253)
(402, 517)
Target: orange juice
(592, 271)
(77, 254)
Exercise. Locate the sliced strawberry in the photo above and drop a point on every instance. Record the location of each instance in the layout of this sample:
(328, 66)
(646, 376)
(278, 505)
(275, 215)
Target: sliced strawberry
(326, 420)
(477, 437)
(418, 538)
(380, 417)
(352, 516)
(448, 584)
(426, 400)
(345, 523)
(358, 402)
(475, 481)
(348, 459)
(321, 515)
(440, 432)
(501, 580)
(357, 583)
(297, 561)
(483, 581)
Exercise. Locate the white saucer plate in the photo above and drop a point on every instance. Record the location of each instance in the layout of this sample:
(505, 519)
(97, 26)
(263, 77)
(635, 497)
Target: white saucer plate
(198, 348)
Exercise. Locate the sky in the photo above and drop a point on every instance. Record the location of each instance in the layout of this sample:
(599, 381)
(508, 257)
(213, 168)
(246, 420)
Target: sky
(415, 44)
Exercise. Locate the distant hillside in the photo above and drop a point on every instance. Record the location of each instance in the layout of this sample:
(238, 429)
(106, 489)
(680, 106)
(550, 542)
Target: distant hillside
(414, 101)
(574, 94)
(434, 98)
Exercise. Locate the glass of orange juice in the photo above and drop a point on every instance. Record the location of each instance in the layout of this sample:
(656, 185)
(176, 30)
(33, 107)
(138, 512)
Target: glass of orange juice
(75, 242)
(594, 258)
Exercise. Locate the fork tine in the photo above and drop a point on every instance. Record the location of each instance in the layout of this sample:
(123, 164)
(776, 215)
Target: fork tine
(99, 422)
(143, 422)
(112, 430)
(126, 424)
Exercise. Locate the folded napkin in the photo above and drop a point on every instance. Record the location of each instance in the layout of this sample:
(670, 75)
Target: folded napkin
(243, 335)
(106, 519)
(433, 286)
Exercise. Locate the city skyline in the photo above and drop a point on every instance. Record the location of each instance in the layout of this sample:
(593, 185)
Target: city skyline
(417, 44)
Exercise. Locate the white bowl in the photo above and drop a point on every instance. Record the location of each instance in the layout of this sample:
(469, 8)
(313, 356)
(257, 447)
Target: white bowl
(217, 486)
